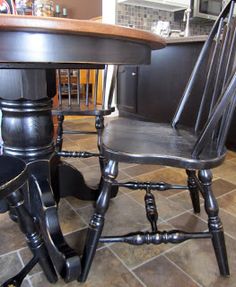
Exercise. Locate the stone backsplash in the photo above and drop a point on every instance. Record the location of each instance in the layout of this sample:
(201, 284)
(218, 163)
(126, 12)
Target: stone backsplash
(144, 18)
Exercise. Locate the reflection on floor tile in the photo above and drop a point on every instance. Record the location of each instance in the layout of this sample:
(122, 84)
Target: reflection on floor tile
(196, 258)
(11, 237)
(161, 272)
(10, 266)
(106, 271)
(69, 219)
(124, 215)
(166, 208)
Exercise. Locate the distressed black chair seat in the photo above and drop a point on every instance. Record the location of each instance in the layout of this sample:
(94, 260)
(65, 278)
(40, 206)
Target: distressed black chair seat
(154, 143)
(197, 149)
(82, 110)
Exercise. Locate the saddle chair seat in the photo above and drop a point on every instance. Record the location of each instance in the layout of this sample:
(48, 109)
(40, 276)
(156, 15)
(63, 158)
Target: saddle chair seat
(142, 142)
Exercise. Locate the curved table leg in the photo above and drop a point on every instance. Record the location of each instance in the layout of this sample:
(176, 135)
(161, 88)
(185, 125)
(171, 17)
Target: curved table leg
(44, 208)
(27, 132)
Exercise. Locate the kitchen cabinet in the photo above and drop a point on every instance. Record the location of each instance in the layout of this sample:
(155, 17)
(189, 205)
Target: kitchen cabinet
(152, 92)
(168, 5)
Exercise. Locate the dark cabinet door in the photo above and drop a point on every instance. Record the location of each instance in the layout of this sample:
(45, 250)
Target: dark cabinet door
(162, 83)
(127, 85)
(152, 92)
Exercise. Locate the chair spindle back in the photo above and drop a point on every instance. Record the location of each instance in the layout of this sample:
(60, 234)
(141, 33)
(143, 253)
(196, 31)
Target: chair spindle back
(83, 97)
(217, 104)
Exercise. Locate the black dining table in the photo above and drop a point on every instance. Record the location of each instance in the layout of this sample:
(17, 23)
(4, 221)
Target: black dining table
(31, 48)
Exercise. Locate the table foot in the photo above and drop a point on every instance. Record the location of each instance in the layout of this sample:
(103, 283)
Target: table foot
(70, 182)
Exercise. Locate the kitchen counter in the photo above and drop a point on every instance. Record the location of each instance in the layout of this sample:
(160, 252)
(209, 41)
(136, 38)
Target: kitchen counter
(190, 39)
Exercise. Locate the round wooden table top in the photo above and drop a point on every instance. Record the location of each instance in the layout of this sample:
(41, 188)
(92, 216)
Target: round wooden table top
(29, 39)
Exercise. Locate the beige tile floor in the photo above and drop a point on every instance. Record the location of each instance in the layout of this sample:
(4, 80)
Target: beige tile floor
(189, 264)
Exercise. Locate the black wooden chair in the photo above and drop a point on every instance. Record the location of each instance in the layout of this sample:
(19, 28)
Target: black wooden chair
(13, 176)
(87, 93)
(197, 148)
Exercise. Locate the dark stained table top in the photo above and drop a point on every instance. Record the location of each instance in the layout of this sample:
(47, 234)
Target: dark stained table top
(42, 40)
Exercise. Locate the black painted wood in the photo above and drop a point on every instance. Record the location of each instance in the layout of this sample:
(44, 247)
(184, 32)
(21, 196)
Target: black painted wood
(83, 49)
(13, 177)
(146, 142)
(87, 104)
(157, 88)
(198, 148)
(31, 47)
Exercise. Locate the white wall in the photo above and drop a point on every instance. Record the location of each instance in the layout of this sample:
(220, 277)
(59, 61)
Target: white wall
(109, 11)
(109, 17)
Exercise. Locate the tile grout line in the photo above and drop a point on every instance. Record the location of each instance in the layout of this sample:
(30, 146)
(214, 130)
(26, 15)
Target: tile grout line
(162, 253)
(27, 278)
(86, 224)
(179, 268)
(129, 270)
(11, 252)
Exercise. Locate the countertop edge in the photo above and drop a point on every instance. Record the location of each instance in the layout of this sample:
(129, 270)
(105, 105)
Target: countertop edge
(190, 39)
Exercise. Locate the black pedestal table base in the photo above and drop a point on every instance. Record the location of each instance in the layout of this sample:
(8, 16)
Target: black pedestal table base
(27, 132)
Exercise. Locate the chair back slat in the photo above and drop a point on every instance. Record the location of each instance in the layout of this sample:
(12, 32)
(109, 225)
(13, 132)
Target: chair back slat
(196, 71)
(214, 72)
(59, 87)
(96, 87)
(78, 87)
(87, 87)
(228, 70)
(112, 85)
(104, 86)
(69, 87)
(228, 97)
(216, 46)
(230, 63)
(226, 125)
(219, 82)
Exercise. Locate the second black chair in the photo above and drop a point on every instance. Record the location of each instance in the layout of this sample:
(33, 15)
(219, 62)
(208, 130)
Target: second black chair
(87, 93)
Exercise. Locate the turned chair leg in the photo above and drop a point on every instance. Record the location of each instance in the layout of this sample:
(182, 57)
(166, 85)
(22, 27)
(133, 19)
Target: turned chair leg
(194, 191)
(98, 218)
(99, 125)
(214, 222)
(59, 140)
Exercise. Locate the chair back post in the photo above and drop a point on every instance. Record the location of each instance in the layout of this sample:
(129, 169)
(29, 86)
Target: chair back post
(96, 87)
(228, 98)
(217, 101)
(59, 87)
(104, 86)
(112, 85)
(201, 60)
(69, 86)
